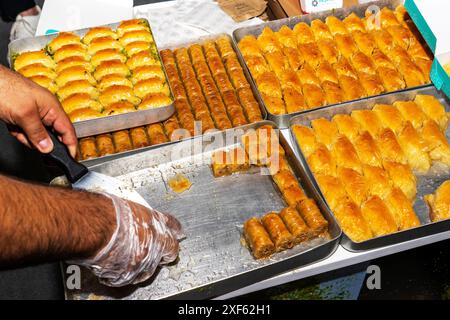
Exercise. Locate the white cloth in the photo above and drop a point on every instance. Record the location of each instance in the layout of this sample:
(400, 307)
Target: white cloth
(179, 21)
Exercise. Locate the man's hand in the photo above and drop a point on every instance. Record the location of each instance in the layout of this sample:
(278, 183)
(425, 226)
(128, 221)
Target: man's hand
(27, 108)
(144, 239)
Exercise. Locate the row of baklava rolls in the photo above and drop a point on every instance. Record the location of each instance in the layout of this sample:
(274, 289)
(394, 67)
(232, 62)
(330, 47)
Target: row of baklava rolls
(208, 85)
(104, 73)
(364, 162)
(301, 221)
(336, 61)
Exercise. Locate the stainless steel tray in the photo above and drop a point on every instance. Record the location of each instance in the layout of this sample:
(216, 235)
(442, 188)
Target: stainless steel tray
(283, 120)
(176, 45)
(212, 259)
(426, 183)
(92, 127)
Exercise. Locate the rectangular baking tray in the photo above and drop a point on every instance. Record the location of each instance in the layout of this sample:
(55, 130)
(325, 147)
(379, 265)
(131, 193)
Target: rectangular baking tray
(212, 260)
(101, 125)
(283, 120)
(176, 45)
(426, 183)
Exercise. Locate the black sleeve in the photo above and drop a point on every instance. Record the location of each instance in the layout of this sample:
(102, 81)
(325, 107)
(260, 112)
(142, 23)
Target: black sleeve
(9, 9)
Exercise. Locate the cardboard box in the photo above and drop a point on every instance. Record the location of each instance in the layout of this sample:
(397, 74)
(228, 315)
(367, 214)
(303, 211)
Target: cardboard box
(431, 18)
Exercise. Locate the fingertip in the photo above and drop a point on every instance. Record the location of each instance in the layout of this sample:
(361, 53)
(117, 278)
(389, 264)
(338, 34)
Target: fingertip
(45, 145)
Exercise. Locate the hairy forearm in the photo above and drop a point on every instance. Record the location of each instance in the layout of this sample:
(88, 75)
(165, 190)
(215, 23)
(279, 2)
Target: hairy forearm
(41, 224)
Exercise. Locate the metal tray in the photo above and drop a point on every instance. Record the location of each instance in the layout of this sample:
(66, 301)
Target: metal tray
(101, 125)
(212, 259)
(283, 120)
(184, 45)
(426, 183)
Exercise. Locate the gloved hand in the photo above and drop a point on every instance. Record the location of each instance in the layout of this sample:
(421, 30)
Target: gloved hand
(143, 240)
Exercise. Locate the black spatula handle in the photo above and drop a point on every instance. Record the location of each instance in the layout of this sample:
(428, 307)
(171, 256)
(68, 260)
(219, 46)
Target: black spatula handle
(60, 154)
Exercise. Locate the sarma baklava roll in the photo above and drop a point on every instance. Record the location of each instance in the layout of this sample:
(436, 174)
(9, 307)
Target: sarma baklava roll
(303, 33)
(139, 137)
(332, 189)
(278, 232)
(250, 105)
(321, 161)
(390, 117)
(439, 203)
(122, 141)
(345, 154)
(389, 147)
(355, 184)
(326, 131)
(306, 139)
(352, 88)
(347, 126)
(329, 50)
(365, 42)
(345, 44)
(402, 177)
(167, 57)
(378, 216)
(170, 126)
(287, 37)
(368, 121)
(220, 163)
(335, 25)
(367, 150)
(392, 80)
(415, 148)
(350, 219)
(412, 113)
(354, 23)
(156, 134)
(294, 100)
(105, 144)
(293, 195)
(433, 109)
(285, 179)
(402, 210)
(88, 149)
(185, 116)
(439, 149)
(295, 224)
(378, 181)
(258, 239)
(225, 48)
(314, 96)
(311, 53)
(310, 212)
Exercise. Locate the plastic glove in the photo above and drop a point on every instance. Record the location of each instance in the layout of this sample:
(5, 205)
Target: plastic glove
(143, 240)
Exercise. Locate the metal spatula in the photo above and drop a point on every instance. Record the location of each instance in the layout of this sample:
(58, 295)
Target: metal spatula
(81, 178)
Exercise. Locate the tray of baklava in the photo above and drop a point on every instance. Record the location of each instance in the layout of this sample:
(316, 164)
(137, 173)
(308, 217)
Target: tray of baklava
(248, 210)
(212, 92)
(382, 165)
(317, 60)
(107, 78)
